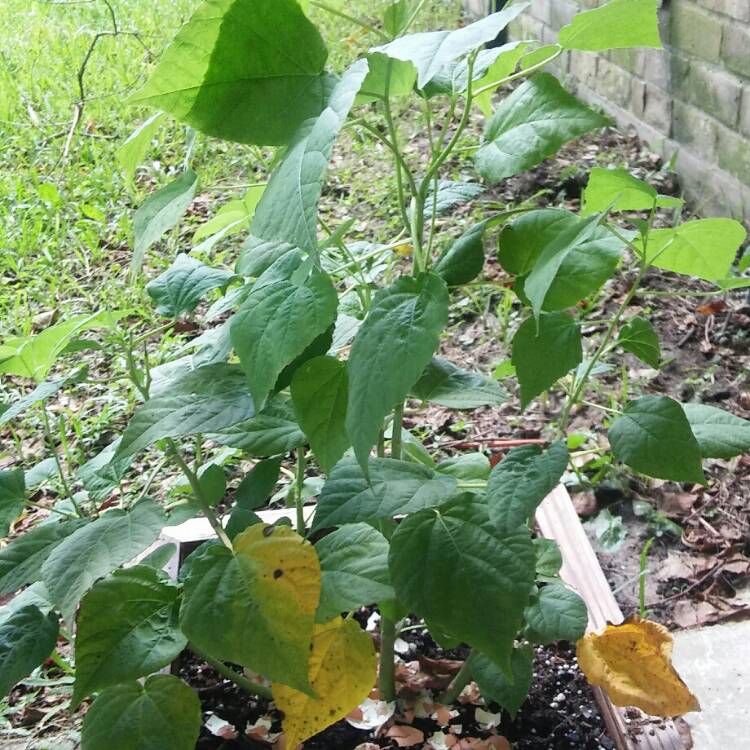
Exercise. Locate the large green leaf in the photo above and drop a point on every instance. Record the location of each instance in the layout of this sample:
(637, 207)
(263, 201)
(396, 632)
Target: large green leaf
(445, 384)
(618, 24)
(27, 638)
(35, 594)
(162, 714)
(21, 561)
(618, 190)
(127, 628)
(586, 260)
(392, 488)
(179, 289)
(530, 125)
(653, 436)
(705, 248)
(556, 614)
(264, 592)
(212, 398)
(466, 466)
(12, 497)
(46, 389)
(520, 482)
(97, 549)
(288, 210)
(463, 260)
(503, 65)
(130, 154)
(280, 318)
(386, 76)
(450, 193)
(160, 213)
(390, 351)
(638, 337)
(320, 389)
(544, 351)
(431, 51)
(353, 569)
(272, 431)
(101, 474)
(257, 255)
(719, 433)
(452, 566)
(253, 493)
(242, 71)
(494, 683)
(230, 219)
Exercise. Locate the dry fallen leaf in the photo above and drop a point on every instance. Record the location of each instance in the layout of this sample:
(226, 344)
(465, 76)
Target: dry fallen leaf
(405, 736)
(632, 662)
(713, 307)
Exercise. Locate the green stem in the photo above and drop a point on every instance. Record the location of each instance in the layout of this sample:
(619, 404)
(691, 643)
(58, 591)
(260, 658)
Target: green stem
(299, 482)
(352, 19)
(249, 686)
(58, 463)
(396, 435)
(198, 495)
(642, 576)
(413, 16)
(387, 672)
(521, 74)
(61, 663)
(459, 682)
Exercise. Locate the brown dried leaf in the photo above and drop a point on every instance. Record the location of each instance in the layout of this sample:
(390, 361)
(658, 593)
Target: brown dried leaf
(632, 662)
(712, 307)
(405, 736)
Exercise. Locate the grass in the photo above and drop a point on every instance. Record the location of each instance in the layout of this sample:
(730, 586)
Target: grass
(66, 208)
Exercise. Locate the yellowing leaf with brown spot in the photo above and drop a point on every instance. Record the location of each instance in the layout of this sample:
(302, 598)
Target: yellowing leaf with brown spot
(633, 663)
(342, 673)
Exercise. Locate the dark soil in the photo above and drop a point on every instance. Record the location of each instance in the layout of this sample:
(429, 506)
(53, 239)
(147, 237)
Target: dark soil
(560, 713)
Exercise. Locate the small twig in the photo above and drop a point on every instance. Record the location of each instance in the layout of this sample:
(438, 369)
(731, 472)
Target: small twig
(494, 443)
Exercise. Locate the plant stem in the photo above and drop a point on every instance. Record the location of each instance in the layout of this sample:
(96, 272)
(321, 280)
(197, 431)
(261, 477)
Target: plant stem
(520, 74)
(58, 463)
(352, 19)
(298, 499)
(200, 498)
(642, 576)
(249, 686)
(387, 659)
(459, 682)
(396, 437)
(61, 663)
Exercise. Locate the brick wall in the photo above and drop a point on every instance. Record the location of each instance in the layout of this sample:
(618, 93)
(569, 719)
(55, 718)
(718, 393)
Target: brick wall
(690, 101)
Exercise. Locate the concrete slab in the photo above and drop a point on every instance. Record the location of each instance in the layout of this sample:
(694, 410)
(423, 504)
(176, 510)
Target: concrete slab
(715, 663)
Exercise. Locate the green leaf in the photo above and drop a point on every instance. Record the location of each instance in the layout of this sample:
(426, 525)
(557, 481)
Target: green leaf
(46, 389)
(27, 638)
(399, 81)
(445, 384)
(586, 262)
(130, 154)
(719, 433)
(280, 318)
(432, 51)
(556, 614)
(494, 683)
(618, 190)
(353, 569)
(450, 193)
(288, 210)
(705, 248)
(453, 567)
(530, 125)
(36, 595)
(160, 213)
(272, 431)
(213, 482)
(179, 289)
(320, 389)
(463, 260)
(508, 57)
(264, 592)
(162, 714)
(101, 474)
(12, 497)
(257, 255)
(97, 549)
(541, 357)
(214, 398)
(653, 436)
(239, 71)
(616, 25)
(390, 351)
(21, 561)
(253, 493)
(466, 467)
(127, 628)
(548, 559)
(230, 218)
(393, 488)
(395, 17)
(521, 481)
(638, 337)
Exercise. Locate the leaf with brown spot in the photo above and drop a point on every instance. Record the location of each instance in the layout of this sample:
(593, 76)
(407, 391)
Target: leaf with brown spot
(633, 663)
(342, 671)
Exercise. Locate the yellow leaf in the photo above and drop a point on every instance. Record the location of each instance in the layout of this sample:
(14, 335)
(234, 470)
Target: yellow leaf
(342, 673)
(633, 663)
(404, 249)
